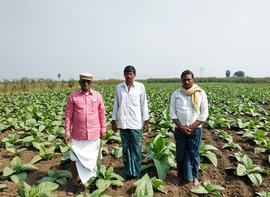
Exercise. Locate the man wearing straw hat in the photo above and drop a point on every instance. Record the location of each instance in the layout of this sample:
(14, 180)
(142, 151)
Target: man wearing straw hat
(85, 124)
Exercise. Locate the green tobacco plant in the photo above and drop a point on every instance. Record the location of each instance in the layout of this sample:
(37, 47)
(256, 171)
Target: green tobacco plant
(61, 145)
(231, 145)
(15, 151)
(112, 137)
(208, 188)
(16, 170)
(157, 185)
(43, 189)
(58, 176)
(246, 167)
(11, 139)
(218, 121)
(144, 187)
(166, 121)
(205, 152)
(106, 178)
(265, 147)
(160, 153)
(44, 152)
(117, 152)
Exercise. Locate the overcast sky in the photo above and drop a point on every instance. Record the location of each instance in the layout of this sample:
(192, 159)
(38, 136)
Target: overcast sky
(161, 38)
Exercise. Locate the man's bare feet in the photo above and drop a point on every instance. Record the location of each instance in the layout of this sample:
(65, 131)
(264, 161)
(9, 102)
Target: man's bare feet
(196, 182)
(177, 181)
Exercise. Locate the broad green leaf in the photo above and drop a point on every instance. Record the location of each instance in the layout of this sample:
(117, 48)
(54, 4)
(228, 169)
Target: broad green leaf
(199, 190)
(51, 137)
(30, 122)
(15, 163)
(212, 158)
(8, 171)
(28, 139)
(16, 178)
(41, 128)
(117, 182)
(144, 187)
(157, 184)
(241, 170)
(36, 159)
(61, 181)
(103, 184)
(45, 187)
(255, 178)
(46, 179)
(162, 167)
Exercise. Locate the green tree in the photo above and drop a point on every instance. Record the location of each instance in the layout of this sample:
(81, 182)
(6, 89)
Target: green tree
(239, 74)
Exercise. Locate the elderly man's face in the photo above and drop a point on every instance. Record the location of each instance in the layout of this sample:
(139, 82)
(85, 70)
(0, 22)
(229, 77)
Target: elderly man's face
(187, 81)
(85, 85)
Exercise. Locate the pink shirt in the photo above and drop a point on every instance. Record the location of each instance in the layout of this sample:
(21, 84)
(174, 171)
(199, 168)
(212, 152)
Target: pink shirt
(85, 115)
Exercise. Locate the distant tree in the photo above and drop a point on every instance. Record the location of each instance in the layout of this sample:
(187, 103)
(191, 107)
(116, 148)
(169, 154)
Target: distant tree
(239, 74)
(59, 75)
(228, 73)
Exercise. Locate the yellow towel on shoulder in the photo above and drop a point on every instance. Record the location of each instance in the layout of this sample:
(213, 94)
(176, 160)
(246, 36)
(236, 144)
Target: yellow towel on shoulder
(194, 93)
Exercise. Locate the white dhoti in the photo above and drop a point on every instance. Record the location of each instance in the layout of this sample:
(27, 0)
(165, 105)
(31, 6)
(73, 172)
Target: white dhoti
(85, 155)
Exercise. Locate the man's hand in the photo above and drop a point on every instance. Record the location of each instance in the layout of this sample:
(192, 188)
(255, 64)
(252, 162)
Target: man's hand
(103, 136)
(145, 126)
(114, 125)
(185, 130)
(67, 139)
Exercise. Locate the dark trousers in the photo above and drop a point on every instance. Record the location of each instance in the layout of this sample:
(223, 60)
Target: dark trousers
(187, 153)
(132, 151)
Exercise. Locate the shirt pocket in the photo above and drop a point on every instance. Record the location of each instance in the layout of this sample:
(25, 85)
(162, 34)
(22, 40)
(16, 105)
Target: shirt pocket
(94, 106)
(135, 100)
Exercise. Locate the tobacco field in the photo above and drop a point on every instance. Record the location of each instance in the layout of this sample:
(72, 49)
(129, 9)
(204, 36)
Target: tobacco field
(235, 154)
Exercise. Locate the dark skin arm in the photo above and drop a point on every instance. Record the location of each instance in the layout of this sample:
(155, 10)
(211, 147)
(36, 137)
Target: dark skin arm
(184, 129)
(114, 125)
(67, 139)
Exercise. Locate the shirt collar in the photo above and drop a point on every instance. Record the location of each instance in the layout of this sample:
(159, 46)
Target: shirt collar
(90, 92)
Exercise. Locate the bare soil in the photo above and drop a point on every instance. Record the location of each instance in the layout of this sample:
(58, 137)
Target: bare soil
(234, 186)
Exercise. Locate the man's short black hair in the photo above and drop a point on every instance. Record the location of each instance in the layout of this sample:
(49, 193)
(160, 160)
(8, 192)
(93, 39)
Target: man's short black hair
(187, 72)
(130, 68)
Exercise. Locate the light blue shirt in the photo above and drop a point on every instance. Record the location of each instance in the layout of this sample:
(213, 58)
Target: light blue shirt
(130, 108)
(181, 108)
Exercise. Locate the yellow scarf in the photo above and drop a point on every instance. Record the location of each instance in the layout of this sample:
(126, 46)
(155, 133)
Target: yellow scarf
(194, 93)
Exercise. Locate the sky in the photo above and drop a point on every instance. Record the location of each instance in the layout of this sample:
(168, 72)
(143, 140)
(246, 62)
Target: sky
(160, 38)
